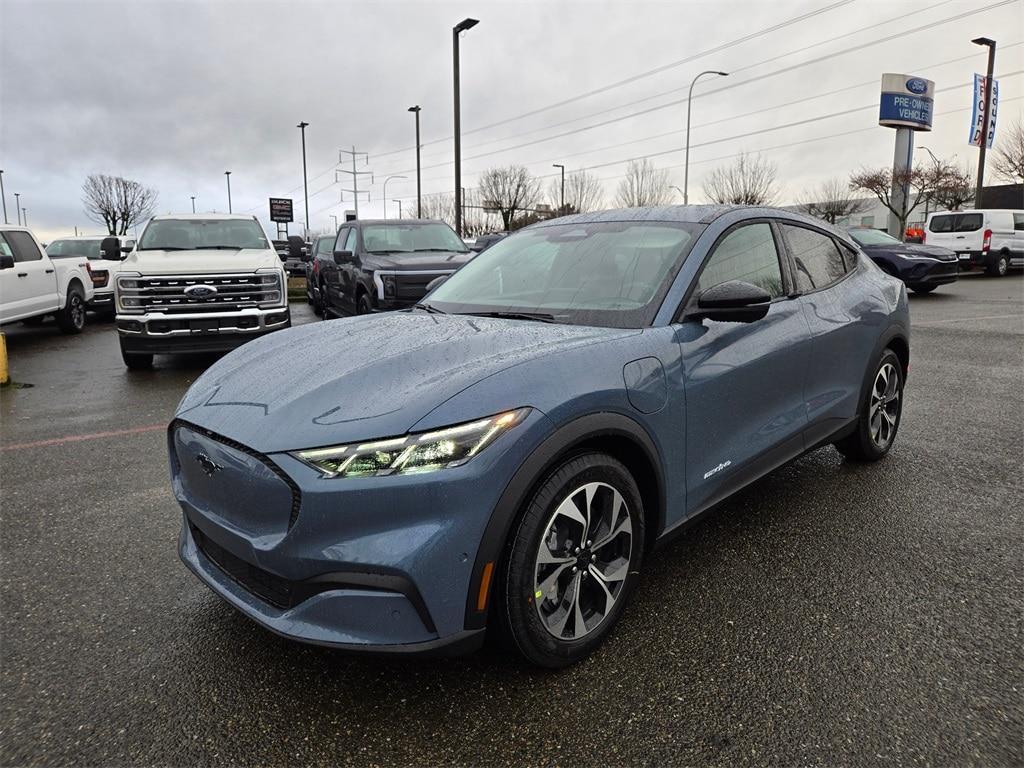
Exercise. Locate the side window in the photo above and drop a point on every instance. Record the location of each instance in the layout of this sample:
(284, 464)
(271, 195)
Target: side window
(325, 246)
(5, 247)
(25, 248)
(749, 254)
(968, 222)
(849, 257)
(353, 237)
(816, 258)
(339, 243)
(1018, 222)
(941, 224)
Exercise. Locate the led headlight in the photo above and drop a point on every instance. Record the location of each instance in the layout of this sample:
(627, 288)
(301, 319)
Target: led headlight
(426, 452)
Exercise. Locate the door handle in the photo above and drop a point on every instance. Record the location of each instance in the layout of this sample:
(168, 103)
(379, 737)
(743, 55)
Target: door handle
(49, 271)
(23, 274)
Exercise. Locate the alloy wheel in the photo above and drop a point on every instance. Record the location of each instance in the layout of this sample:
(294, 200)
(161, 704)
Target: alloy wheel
(582, 561)
(884, 411)
(77, 310)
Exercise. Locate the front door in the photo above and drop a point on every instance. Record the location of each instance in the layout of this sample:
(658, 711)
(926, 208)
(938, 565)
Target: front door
(745, 408)
(30, 288)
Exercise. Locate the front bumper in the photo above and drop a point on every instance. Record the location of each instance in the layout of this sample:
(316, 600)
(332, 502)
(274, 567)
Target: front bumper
(931, 272)
(165, 333)
(381, 564)
(101, 301)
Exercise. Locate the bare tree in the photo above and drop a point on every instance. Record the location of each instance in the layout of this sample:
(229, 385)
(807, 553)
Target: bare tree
(509, 191)
(643, 185)
(583, 193)
(832, 201)
(920, 184)
(117, 202)
(951, 186)
(750, 180)
(441, 206)
(1008, 157)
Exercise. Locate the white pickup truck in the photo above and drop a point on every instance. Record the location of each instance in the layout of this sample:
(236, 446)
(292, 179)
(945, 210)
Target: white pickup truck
(197, 283)
(32, 285)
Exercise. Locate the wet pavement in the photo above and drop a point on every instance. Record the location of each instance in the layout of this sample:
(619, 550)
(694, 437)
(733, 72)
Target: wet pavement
(829, 614)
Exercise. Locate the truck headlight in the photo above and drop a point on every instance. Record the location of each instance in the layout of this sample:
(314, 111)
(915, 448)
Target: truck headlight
(425, 452)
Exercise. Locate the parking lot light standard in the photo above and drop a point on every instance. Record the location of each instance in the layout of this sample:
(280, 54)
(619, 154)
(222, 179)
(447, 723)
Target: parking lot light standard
(459, 28)
(419, 194)
(689, 100)
(561, 206)
(399, 207)
(193, 203)
(986, 114)
(3, 196)
(305, 184)
(227, 174)
(17, 206)
(384, 197)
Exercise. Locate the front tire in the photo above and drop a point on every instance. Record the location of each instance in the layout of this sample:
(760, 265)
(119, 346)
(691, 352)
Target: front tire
(364, 306)
(71, 319)
(136, 361)
(999, 266)
(573, 562)
(879, 419)
(923, 289)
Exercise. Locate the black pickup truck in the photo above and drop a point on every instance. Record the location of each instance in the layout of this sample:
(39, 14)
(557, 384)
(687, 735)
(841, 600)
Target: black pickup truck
(381, 265)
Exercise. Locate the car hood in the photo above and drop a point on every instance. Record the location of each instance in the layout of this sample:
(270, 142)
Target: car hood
(364, 377)
(913, 249)
(200, 261)
(418, 261)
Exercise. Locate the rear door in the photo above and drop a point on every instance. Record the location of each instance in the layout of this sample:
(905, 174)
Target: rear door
(31, 287)
(745, 409)
(834, 303)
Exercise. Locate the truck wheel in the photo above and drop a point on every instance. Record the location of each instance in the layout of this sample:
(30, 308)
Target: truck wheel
(923, 288)
(364, 306)
(71, 319)
(998, 266)
(136, 361)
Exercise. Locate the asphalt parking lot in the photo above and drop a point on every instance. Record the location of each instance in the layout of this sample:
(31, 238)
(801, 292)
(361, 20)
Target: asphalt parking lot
(830, 614)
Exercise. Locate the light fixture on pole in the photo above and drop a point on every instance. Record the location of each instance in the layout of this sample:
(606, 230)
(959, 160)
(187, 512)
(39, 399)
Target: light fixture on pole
(335, 218)
(399, 207)
(305, 184)
(689, 100)
(459, 28)
(561, 207)
(17, 206)
(193, 203)
(419, 193)
(986, 114)
(3, 195)
(227, 175)
(384, 197)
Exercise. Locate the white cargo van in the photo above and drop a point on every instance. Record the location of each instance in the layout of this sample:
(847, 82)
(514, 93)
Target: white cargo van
(993, 239)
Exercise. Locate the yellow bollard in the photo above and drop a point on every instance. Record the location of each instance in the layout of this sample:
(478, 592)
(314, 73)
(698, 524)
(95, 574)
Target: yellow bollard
(3, 359)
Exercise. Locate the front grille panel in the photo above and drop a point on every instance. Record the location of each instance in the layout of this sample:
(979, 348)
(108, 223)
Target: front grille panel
(233, 292)
(413, 287)
(264, 585)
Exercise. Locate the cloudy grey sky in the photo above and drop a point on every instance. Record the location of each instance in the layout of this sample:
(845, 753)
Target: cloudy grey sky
(175, 93)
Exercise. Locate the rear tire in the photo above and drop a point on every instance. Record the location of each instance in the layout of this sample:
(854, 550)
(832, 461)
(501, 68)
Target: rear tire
(880, 413)
(999, 266)
(136, 361)
(923, 289)
(71, 319)
(580, 545)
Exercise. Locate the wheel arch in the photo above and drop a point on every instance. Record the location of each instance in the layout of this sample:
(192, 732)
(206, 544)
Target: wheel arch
(613, 433)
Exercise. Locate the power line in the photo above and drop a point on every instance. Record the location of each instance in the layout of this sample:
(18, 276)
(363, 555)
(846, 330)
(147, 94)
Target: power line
(757, 78)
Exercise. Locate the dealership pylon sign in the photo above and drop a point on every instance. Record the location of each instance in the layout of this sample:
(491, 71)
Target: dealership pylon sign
(906, 104)
(978, 112)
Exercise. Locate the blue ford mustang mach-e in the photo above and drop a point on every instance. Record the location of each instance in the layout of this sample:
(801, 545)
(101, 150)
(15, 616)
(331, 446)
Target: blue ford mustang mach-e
(504, 455)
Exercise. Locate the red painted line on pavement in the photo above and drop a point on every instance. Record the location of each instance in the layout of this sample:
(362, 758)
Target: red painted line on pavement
(79, 438)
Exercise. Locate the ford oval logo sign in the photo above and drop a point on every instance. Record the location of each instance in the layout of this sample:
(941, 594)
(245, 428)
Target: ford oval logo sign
(917, 85)
(200, 291)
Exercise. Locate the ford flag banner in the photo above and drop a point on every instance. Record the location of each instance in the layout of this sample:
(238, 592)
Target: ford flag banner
(978, 112)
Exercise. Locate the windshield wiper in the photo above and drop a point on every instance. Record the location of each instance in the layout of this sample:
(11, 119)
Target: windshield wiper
(388, 251)
(167, 248)
(430, 308)
(540, 317)
(439, 250)
(219, 248)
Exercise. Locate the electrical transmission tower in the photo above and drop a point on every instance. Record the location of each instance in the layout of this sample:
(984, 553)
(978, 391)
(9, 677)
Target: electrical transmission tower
(355, 191)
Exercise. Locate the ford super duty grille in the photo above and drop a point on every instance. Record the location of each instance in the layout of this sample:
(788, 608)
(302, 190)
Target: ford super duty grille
(230, 292)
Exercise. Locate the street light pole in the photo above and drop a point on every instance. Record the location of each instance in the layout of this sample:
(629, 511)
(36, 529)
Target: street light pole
(384, 197)
(991, 44)
(561, 207)
(17, 206)
(24, 217)
(335, 222)
(937, 164)
(227, 174)
(399, 208)
(462, 26)
(305, 184)
(689, 100)
(4, 196)
(193, 203)
(419, 193)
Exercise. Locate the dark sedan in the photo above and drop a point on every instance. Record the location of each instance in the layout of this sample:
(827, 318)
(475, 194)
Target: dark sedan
(922, 267)
(385, 265)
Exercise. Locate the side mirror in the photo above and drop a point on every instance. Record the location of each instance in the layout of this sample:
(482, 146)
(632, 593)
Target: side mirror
(295, 246)
(476, 247)
(6, 261)
(305, 255)
(340, 257)
(734, 301)
(128, 246)
(436, 282)
(110, 249)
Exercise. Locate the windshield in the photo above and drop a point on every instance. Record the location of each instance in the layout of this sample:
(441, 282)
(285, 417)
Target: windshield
(873, 237)
(190, 234)
(603, 273)
(60, 249)
(406, 238)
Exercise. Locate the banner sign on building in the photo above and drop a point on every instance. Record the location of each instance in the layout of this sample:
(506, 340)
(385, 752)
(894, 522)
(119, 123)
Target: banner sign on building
(906, 102)
(281, 210)
(978, 112)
